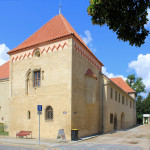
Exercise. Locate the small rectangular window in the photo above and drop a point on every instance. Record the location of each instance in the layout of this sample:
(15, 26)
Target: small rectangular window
(126, 102)
(123, 100)
(111, 93)
(111, 118)
(116, 95)
(37, 78)
(130, 104)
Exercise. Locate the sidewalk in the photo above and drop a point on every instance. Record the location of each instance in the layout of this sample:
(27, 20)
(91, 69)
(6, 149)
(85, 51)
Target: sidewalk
(32, 143)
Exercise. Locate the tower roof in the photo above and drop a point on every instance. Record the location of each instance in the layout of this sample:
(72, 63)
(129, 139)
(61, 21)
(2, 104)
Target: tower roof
(57, 27)
(122, 84)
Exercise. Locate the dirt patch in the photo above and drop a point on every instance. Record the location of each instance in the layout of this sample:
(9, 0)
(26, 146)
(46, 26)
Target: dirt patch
(140, 136)
(133, 142)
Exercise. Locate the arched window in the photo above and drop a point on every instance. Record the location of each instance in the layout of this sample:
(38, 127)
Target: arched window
(29, 115)
(49, 113)
(28, 78)
(37, 53)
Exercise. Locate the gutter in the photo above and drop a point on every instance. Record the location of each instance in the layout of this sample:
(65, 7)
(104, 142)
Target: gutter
(103, 86)
(4, 79)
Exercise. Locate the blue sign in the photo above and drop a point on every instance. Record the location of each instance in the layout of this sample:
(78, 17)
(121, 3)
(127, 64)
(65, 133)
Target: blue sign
(39, 107)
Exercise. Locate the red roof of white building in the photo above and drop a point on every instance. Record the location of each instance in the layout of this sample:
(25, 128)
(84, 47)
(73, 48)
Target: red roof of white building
(122, 84)
(4, 71)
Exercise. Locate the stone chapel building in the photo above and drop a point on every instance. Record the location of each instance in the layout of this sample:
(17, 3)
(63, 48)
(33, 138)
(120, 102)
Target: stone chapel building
(55, 68)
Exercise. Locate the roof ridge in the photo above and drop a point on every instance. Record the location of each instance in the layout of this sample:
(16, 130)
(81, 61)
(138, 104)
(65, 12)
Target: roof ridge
(62, 18)
(116, 78)
(29, 37)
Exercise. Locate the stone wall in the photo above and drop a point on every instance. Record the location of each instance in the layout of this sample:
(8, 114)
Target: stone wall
(86, 96)
(123, 111)
(4, 102)
(54, 64)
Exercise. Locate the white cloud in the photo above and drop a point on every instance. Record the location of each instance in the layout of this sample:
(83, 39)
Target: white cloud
(111, 75)
(93, 50)
(142, 68)
(3, 53)
(148, 17)
(88, 40)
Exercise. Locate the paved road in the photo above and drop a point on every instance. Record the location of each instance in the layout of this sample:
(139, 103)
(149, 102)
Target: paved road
(7, 147)
(77, 146)
(93, 146)
(137, 138)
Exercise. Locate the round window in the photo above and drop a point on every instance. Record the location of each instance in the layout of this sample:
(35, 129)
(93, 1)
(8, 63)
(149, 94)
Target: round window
(37, 53)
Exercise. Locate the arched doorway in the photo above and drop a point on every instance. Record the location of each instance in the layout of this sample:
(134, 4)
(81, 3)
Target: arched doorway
(115, 121)
(122, 120)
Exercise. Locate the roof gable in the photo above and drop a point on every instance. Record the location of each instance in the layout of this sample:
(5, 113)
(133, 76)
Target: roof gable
(56, 28)
(122, 84)
(4, 71)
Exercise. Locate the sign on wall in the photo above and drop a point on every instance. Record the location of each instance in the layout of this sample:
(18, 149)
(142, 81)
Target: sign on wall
(39, 107)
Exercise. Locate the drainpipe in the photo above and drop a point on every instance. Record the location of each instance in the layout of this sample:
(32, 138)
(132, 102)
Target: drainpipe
(11, 76)
(103, 86)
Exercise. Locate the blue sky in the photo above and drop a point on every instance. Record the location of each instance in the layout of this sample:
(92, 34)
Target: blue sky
(21, 18)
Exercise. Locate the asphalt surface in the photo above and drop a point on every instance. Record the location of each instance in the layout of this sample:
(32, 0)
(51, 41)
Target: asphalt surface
(7, 147)
(137, 138)
(93, 146)
(77, 146)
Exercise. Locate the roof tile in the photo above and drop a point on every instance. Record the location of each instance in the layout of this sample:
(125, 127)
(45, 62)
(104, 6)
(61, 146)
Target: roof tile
(89, 72)
(122, 84)
(56, 28)
(4, 71)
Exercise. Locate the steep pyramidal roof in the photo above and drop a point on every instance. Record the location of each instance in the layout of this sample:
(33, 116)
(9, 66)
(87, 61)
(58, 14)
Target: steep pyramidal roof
(4, 71)
(122, 84)
(56, 28)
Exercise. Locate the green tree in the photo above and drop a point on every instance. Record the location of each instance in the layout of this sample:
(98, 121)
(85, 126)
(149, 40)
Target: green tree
(136, 84)
(125, 17)
(139, 109)
(146, 105)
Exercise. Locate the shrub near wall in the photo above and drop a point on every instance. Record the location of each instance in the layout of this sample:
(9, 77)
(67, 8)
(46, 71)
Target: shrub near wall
(3, 129)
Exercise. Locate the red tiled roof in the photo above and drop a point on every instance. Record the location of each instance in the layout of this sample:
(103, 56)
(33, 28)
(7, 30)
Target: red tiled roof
(90, 73)
(56, 28)
(122, 84)
(4, 71)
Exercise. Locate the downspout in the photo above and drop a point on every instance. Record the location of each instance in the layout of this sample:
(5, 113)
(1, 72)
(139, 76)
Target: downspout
(103, 86)
(11, 77)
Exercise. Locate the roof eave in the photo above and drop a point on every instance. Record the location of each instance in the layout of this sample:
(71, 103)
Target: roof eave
(32, 46)
(89, 51)
(117, 85)
(35, 45)
(4, 79)
(121, 89)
